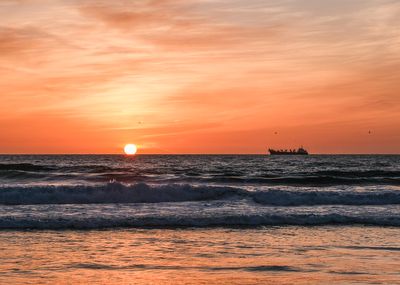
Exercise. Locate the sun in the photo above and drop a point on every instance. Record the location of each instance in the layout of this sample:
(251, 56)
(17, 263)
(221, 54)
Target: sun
(130, 149)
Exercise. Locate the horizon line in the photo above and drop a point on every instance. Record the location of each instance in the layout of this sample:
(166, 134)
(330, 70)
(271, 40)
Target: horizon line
(139, 154)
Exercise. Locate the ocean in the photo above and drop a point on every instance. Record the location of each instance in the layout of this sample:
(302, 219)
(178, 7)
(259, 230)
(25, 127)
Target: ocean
(199, 219)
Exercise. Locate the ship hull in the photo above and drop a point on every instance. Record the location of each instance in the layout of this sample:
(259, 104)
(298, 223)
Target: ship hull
(284, 153)
(300, 151)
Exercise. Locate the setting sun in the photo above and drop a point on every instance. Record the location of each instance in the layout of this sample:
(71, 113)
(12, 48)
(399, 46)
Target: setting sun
(130, 149)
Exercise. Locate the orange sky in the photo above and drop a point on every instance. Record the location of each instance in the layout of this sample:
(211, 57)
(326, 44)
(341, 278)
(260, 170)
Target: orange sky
(199, 76)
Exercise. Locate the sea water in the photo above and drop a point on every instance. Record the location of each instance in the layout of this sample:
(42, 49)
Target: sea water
(187, 219)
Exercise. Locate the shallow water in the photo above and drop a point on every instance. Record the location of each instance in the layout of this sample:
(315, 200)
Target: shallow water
(275, 255)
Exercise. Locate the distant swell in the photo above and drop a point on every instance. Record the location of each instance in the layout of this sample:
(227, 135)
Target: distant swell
(19, 174)
(143, 193)
(238, 175)
(358, 174)
(24, 167)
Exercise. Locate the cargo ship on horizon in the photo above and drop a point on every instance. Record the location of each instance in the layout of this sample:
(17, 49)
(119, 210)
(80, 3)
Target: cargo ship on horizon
(299, 151)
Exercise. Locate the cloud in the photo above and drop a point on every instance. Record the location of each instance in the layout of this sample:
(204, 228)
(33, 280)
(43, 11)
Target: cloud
(131, 15)
(22, 41)
(175, 25)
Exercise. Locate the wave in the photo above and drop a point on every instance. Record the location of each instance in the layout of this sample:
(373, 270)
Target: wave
(228, 221)
(310, 180)
(91, 168)
(261, 268)
(131, 177)
(115, 192)
(21, 175)
(126, 177)
(359, 173)
(326, 197)
(241, 172)
(24, 167)
(110, 193)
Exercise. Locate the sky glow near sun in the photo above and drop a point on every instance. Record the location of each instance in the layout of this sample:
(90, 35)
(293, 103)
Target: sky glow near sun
(199, 76)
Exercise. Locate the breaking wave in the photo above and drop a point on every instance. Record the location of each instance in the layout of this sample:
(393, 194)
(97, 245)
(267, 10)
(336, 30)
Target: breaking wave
(115, 192)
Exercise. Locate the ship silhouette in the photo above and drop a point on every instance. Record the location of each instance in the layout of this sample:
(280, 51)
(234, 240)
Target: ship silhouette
(299, 151)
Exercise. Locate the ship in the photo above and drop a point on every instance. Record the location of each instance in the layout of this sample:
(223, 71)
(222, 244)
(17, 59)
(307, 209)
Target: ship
(299, 151)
